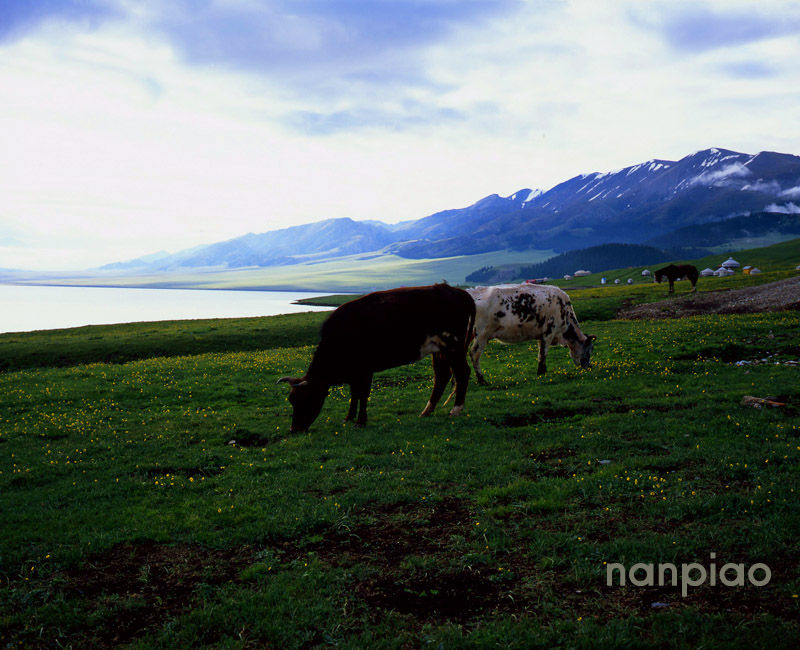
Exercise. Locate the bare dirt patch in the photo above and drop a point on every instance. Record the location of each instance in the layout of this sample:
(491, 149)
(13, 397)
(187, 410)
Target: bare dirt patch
(541, 414)
(411, 551)
(141, 586)
(553, 462)
(774, 296)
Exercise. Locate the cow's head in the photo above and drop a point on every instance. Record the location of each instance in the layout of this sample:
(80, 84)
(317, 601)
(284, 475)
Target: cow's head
(581, 352)
(306, 400)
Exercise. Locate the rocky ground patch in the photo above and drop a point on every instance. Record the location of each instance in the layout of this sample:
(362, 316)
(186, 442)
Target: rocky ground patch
(774, 296)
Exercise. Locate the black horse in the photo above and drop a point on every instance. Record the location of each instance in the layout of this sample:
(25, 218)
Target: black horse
(673, 273)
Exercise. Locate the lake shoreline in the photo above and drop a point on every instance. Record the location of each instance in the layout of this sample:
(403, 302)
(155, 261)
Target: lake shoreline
(39, 307)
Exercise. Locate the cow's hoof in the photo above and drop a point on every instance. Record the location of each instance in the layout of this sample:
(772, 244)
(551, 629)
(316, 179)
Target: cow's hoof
(428, 410)
(457, 410)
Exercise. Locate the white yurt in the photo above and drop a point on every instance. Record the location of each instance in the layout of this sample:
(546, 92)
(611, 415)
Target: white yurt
(616, 281)
(630, 280)
(730, 263)
(581, 273)
(646, 272)
(755, 270)
(722, 271)
(706, 272)
(568, 277)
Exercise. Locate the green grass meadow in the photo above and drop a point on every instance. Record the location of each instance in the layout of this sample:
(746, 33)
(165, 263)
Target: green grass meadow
(152, 496)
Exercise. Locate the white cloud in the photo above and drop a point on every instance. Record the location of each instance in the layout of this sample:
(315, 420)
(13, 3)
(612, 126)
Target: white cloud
(772, 187)
(788, 208)
(734, 170)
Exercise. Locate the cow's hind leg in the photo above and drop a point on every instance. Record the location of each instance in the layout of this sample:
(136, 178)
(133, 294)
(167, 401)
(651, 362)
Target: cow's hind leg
(441, 375)
(460, 369)
(359, 395)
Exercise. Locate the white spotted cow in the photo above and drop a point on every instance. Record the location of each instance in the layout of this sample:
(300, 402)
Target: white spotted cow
(516, 313)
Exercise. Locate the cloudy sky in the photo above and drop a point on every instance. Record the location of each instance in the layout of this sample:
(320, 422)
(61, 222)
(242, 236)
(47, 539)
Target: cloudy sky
(132, 126)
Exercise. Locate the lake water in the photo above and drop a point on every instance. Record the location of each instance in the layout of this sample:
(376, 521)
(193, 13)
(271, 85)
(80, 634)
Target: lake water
(25, 307)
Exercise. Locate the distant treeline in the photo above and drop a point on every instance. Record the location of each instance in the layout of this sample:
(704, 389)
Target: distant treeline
(595, 259)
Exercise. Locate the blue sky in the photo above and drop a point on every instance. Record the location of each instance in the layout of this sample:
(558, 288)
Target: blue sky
(131, 126)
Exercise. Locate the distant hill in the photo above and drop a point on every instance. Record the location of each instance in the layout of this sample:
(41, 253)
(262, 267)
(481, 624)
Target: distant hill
(325, 239)
(595, 259)
(782, 256)
(659, 202)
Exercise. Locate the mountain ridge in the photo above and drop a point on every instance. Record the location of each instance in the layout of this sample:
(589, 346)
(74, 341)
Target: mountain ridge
(636, 204)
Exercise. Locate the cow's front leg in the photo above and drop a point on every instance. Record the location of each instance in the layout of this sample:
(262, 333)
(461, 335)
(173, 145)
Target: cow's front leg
(671, 286)
(441, 375)
(543, 347)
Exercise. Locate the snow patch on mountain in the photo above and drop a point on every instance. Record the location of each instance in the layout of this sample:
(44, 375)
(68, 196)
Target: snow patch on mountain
(533, 194)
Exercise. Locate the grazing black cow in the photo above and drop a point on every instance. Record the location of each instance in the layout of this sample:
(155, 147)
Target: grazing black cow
(673, 273)
(383, 330)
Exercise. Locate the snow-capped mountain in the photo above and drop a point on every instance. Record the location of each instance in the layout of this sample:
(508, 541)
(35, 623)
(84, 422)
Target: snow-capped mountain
(626, 206)
(665, 180)
(631, 205)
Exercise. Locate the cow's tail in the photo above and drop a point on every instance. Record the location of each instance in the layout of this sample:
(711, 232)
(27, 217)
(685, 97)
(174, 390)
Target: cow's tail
(470, 331)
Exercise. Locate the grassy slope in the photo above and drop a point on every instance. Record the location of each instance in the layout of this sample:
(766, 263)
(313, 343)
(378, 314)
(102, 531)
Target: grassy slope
(353, 273)
(357, 273)
(127, 515)
(129, 342)
(782, 257)
(596, 301)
